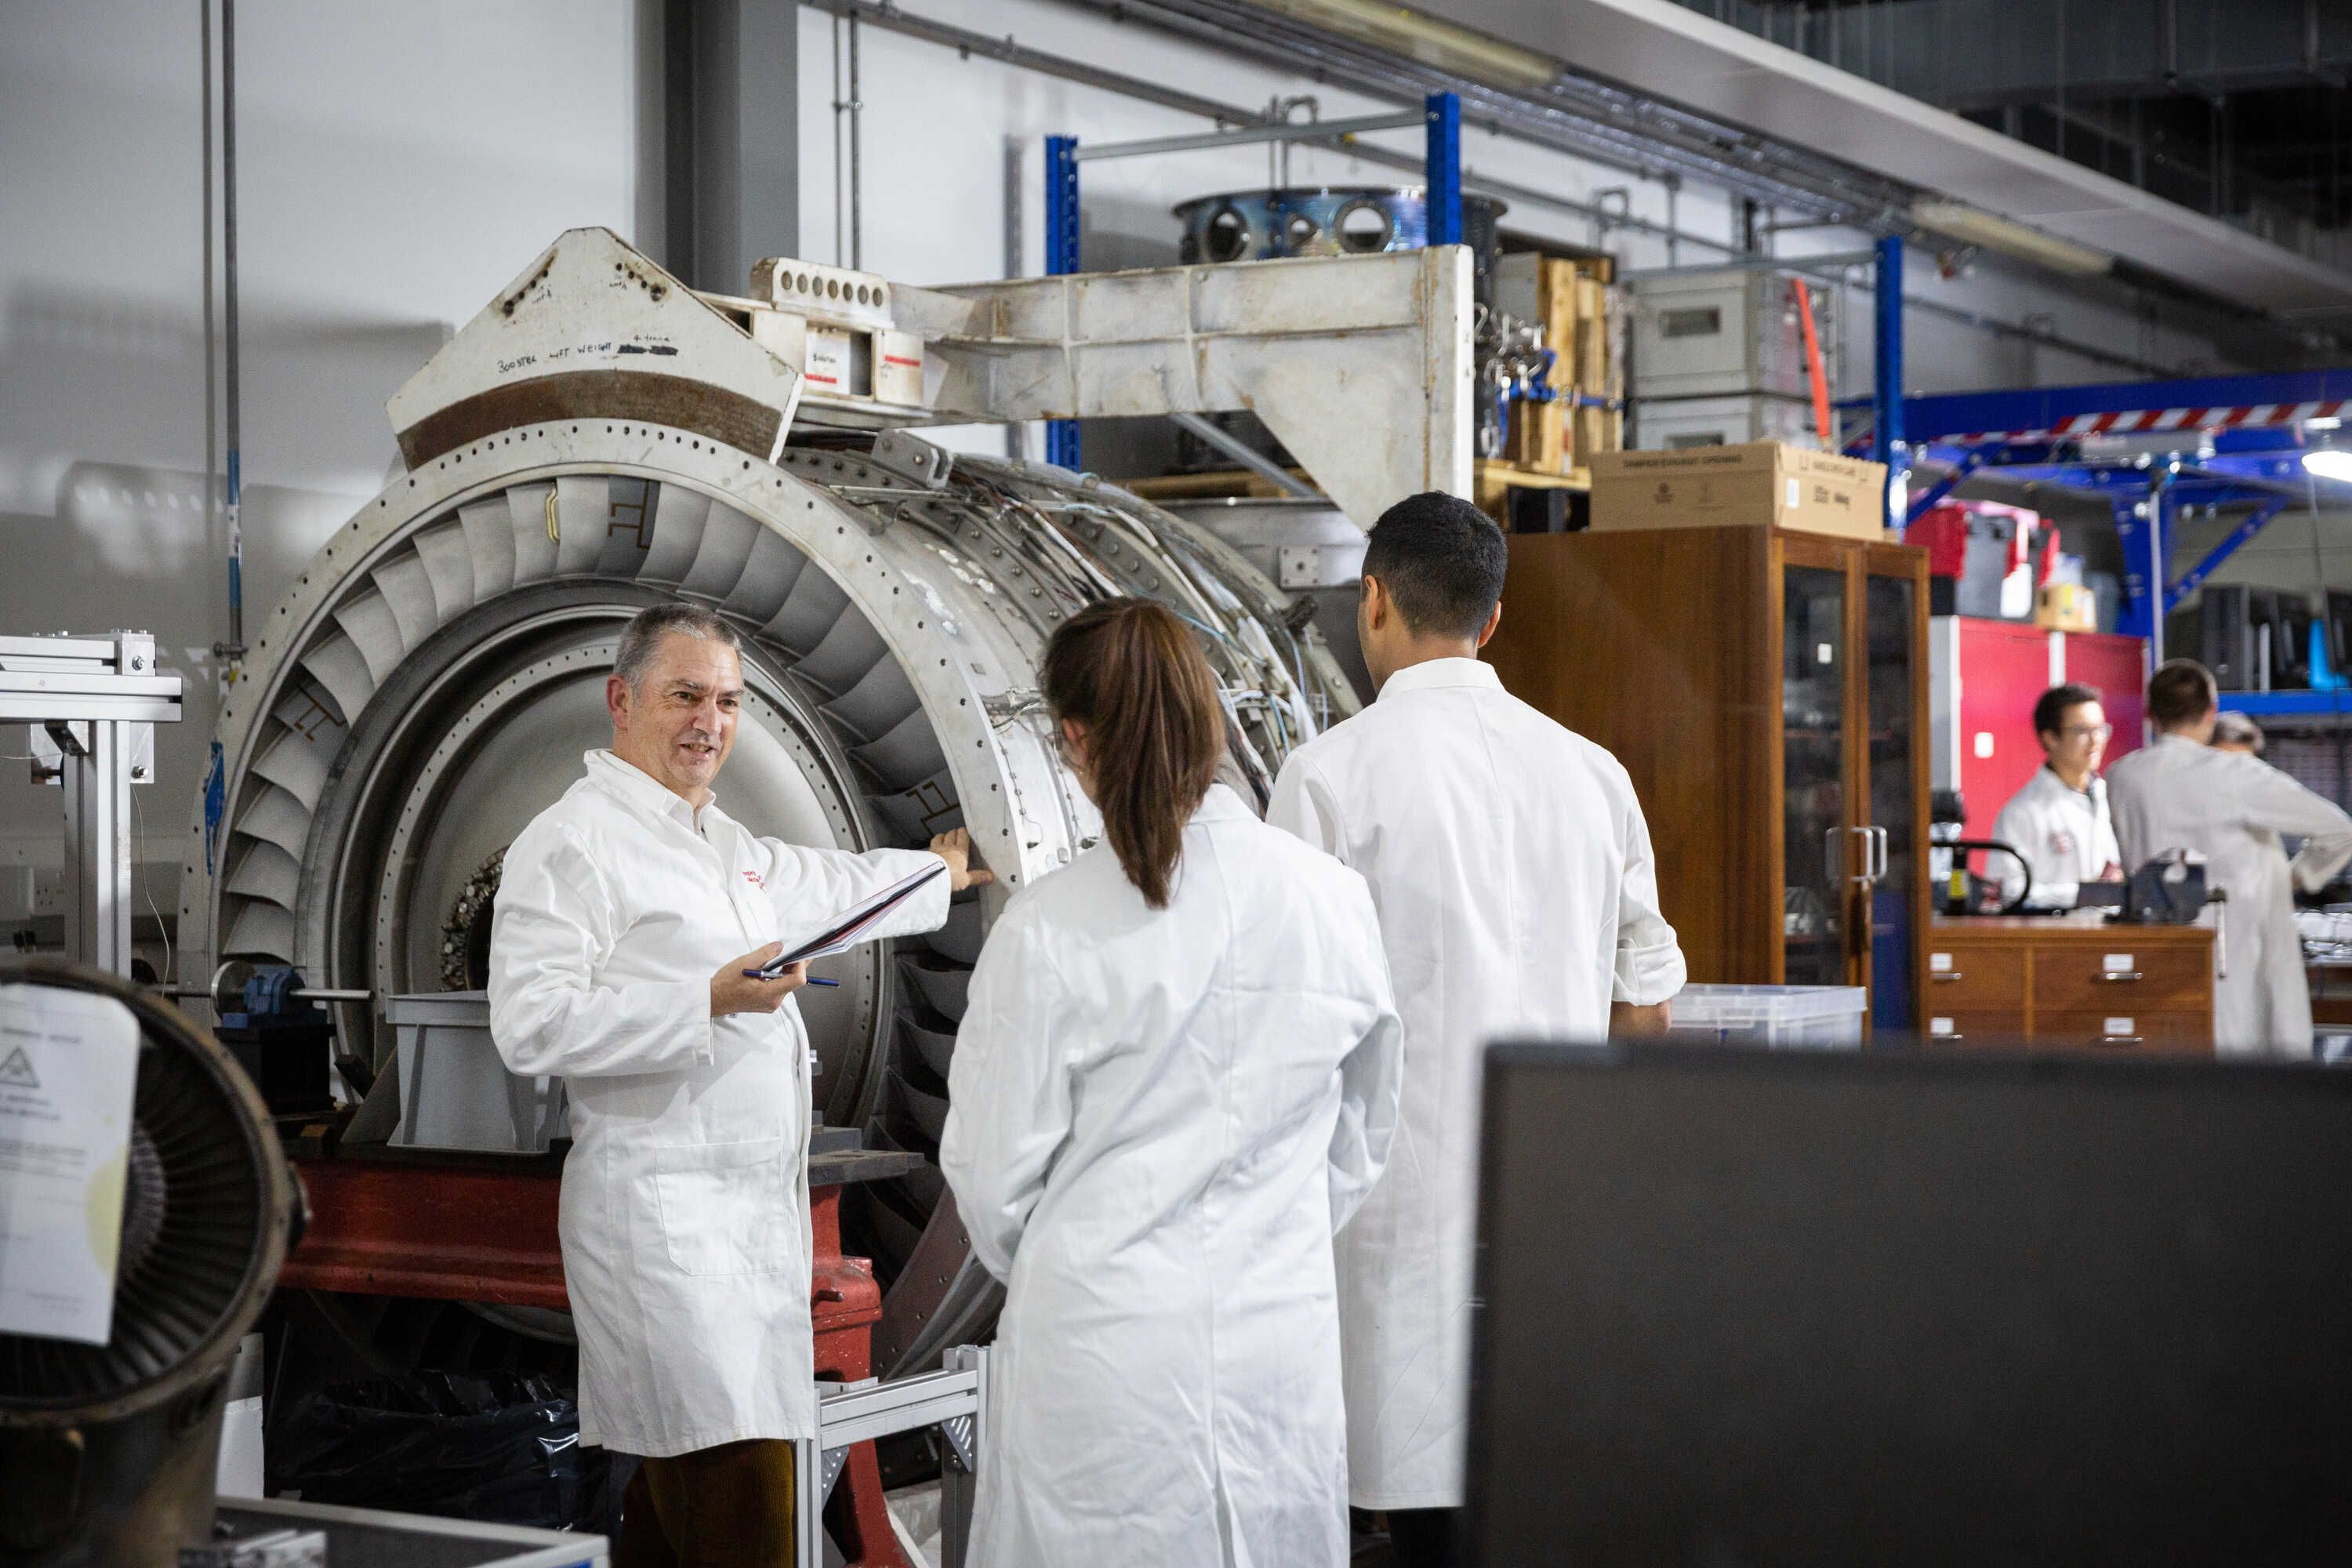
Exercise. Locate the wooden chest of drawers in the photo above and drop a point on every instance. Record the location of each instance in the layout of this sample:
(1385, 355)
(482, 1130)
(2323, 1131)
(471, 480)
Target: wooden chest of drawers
(2070, 981)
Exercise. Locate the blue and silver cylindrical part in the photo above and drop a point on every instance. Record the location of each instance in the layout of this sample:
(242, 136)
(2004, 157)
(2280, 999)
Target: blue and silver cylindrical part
(1330, 220)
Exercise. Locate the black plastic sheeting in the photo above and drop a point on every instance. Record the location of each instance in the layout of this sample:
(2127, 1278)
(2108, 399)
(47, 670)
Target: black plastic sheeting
(499, 1447)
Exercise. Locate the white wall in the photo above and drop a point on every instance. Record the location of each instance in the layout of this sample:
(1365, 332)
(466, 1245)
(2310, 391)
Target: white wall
(399, 163)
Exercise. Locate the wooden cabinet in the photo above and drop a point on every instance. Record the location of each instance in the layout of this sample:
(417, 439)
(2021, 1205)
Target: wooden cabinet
(2072, 982)
(1767, 691)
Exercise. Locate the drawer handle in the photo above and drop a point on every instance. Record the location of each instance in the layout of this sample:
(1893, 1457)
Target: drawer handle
(1946, 976)
(2118, 1040)
(2119, 976)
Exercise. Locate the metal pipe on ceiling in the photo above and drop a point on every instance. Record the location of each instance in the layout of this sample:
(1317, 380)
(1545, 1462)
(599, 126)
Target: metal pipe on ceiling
(1573, 114)
(1008, 51)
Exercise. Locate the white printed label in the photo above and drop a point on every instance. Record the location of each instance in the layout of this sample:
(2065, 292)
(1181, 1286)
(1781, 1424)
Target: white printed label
(1939, 1026)
(1795, 493)
(1941, 962)
(898, 368)
(1983, 744)
(828, 359)
(2120, 1026)
(69, 1076)
(2117, 964)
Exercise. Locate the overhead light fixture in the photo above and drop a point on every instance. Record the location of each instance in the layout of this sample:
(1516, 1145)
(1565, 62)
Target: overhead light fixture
(1445, 44)
(2329, 463)
(1958, 220)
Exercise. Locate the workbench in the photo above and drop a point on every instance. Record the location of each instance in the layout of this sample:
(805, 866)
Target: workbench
(2070, 981)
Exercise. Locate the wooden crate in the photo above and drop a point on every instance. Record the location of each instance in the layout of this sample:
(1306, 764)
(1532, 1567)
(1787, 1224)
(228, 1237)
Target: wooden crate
(1573, 307)
(1492, 483)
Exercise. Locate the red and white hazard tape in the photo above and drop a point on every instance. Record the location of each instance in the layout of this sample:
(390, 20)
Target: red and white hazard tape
(2143, 420)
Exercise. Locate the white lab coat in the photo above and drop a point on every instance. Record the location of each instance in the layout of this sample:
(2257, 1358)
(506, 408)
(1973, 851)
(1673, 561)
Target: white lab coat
(1157, 1119)
(1512, 870)
(2066, 835)
(2231, 808)
(684, 1215)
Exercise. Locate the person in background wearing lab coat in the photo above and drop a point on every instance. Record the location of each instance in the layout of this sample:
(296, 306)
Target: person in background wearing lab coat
(2059, 821)
(1177, 1075)
(2236, 733)
(1512, 870)
(626, 915)
(2182, 794)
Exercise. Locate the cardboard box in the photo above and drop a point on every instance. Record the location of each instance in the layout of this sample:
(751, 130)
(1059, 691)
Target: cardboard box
(1758, 482)
(2066, 607)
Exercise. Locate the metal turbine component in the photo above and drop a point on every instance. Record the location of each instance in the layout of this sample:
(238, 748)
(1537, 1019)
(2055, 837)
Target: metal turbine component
(108, 1452)
(432, 682)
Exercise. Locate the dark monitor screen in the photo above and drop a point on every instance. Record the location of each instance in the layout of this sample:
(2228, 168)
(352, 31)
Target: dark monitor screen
(1749, 1308)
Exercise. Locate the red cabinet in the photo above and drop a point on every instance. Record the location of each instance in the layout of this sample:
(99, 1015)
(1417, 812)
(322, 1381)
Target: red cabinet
(1986, 677)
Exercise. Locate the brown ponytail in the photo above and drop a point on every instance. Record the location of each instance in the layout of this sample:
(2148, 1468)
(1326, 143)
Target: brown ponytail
(1130, 672)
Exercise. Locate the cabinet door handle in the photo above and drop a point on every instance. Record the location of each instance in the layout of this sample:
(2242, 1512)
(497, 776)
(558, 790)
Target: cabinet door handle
(2119, 976)
(1946, 976)
(2119, 1040)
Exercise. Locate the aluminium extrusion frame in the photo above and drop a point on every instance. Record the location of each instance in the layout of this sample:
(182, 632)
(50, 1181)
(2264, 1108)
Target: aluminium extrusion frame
(1440, 117)
(953, 1399)
(92, 695)
(369, 1527)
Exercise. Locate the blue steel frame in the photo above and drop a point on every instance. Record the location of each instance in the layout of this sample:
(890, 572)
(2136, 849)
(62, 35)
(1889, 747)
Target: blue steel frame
(1887, 423)
(1062, 257)
(2254, 466)
(1443, 114)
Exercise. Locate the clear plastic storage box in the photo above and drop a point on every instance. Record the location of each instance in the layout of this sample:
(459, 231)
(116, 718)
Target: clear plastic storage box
(1799, 1017)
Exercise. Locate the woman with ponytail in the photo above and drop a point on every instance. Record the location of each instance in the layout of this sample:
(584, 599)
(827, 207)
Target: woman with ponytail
(1176, 1076)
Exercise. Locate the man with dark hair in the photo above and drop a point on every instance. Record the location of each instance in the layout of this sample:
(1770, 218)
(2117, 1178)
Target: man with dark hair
(2059, 820)
(2181, 793)
(1438, 562)
(1512, 871)
(618, 962)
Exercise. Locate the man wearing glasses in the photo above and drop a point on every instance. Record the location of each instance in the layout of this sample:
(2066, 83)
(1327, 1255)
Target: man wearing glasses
(2059, 821)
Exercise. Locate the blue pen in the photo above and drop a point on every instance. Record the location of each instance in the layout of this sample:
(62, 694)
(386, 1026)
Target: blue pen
(763, 975)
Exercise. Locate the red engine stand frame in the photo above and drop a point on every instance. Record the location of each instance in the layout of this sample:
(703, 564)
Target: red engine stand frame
(475, 1232)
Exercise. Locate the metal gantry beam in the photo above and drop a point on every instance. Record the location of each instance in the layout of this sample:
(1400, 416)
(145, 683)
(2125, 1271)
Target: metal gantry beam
(1440, 117)
(2227, 401)
(2152, 448)
(2248, 526)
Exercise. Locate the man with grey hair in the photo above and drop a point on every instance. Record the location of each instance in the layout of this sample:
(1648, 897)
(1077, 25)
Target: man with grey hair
(628, 915)
(2234, 731)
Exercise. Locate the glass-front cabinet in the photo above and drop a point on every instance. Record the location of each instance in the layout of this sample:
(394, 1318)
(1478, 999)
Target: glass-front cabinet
(1853, 700)
(1766, 691)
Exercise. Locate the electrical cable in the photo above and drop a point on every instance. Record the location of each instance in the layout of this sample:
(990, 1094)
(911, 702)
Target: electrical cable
(139, 816)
